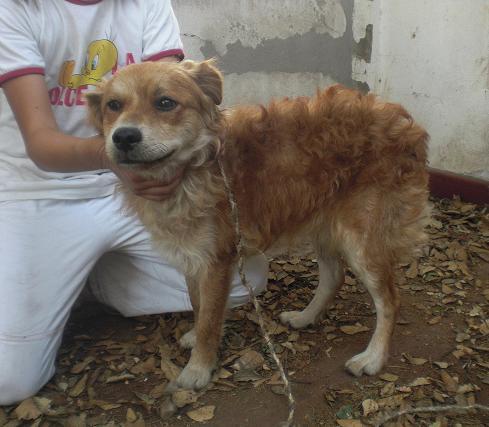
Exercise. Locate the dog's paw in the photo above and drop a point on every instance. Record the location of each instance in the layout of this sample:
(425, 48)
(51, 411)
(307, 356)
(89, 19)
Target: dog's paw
(296, 319)
(194, 377)
(368, 362)
(188, 339)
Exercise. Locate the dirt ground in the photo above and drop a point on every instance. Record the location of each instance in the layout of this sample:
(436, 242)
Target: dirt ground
(112, 371)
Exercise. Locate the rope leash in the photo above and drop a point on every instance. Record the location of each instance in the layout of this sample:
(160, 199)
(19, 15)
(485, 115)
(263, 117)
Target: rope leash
(258, 309)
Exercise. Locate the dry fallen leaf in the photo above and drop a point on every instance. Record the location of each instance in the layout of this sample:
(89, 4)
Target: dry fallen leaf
(170, 370)
(27, 410)
(419, 382)
(414, 360)
(250, 360)
(79, 387)
(353, 329)
(182, 398)
(349, 423)
(369, 406)
(450, 384)
(205, 413)
(389, 377)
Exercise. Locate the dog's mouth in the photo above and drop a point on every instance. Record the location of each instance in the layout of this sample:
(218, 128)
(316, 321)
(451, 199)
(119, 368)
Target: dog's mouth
(146, 163)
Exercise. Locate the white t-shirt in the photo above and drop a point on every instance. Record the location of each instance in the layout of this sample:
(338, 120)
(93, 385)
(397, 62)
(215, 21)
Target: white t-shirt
(74, 44)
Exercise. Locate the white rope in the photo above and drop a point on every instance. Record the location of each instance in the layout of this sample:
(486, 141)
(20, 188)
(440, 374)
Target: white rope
(244, 281)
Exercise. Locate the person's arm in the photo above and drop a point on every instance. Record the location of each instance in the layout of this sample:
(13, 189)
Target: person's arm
(49, 148)
(52, 150)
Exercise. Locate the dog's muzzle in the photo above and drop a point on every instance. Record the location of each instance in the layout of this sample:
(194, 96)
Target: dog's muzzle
(126, 138)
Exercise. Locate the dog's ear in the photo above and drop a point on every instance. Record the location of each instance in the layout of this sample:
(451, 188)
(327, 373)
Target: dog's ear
(207, 77)
(94, 103)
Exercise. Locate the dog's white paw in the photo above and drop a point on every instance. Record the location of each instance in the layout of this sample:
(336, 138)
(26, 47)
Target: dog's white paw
(188, 339)
(296, 319)
(369, 362)
(194, 376)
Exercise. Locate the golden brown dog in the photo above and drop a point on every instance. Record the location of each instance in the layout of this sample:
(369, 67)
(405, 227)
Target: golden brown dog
(343, 170)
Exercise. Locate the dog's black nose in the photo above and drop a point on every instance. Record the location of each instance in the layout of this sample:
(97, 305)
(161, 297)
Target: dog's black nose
(125, 138)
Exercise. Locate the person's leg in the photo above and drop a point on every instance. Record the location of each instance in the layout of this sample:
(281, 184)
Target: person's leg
(136, 280)
(47, 249)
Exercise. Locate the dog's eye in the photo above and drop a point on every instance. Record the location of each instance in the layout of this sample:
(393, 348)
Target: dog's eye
(114, 105)
(165, 104)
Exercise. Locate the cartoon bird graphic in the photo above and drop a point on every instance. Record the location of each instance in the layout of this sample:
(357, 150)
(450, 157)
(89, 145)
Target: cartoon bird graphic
(101, 58)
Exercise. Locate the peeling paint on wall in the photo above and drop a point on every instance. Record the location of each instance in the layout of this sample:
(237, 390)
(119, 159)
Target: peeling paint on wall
(363, 48)
(314, 36)
(224, 22)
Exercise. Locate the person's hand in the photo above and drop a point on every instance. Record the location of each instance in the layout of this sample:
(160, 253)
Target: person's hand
(148, 188)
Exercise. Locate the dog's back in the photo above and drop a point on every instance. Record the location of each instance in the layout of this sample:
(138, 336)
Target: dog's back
(328, 158)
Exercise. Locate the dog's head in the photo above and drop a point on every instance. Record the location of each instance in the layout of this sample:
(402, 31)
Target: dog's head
(159, 116)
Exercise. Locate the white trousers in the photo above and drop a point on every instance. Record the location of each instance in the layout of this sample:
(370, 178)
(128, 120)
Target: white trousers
(48, 250)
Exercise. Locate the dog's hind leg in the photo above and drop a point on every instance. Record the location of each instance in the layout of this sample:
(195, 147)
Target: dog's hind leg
(331, 275)
(379, 281)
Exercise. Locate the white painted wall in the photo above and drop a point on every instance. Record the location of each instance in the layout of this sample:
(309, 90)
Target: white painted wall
(432, 56)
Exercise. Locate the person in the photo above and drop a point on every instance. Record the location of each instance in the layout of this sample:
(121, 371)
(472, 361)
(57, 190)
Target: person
(61, 219)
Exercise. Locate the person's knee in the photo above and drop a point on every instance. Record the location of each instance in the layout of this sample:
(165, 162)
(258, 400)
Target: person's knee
(256, 271)
(15, 387)
(25, 367)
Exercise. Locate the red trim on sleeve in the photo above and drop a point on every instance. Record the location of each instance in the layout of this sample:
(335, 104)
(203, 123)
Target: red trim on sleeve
(84, 2)
(22, 72)
(172, 52)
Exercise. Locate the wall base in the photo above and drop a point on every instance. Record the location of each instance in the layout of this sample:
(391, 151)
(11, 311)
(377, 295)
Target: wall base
(445, 184)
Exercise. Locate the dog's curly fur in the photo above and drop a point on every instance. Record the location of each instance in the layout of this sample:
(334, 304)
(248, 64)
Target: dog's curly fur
(343, 170)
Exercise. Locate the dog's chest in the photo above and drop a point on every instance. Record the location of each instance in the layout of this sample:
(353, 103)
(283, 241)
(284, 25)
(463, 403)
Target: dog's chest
(187, 242)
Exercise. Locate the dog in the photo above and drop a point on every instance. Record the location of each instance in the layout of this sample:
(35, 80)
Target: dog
(343, 170)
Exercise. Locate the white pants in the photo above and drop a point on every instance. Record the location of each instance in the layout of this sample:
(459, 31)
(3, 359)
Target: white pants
(48, 249)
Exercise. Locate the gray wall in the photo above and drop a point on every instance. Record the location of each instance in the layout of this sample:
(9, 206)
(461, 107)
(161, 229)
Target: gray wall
(274, 48)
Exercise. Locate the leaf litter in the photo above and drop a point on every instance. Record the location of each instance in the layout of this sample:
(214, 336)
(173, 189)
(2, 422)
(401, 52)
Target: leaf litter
(115, 373)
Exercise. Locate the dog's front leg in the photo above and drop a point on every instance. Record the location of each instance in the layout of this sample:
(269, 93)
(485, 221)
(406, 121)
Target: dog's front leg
(188, 339)
(214, 289)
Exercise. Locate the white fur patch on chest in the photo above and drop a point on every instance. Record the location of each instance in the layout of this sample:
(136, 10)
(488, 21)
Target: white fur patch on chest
(190, 249)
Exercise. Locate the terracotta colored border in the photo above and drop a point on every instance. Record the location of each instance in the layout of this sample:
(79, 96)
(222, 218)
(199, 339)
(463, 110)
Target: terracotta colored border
(84, 2)
(22, 72)
(445, 184)
(172, 52)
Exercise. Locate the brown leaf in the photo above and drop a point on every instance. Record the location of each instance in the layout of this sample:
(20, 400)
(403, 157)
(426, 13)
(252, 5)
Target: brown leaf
(79, 387)
(250, 360)
(420, 381)
(205, 413)
(106, 406)
(353, 329)
(414, 360)
(81, 366)
(76, 421)
(131, 415)
(158, 391)
(389, 377)
(450, 383)
(119, 378)
(170, 370)
(146, 367)
(182, 398)
(27, 410)
(369, 406)
(441, 365)
(349, 423)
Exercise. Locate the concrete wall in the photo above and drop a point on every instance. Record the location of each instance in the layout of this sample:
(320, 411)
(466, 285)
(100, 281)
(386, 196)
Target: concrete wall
(432, 56)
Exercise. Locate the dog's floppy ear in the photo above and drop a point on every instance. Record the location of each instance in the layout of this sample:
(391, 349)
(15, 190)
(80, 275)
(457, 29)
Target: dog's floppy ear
(94, 102)
(207, 77)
